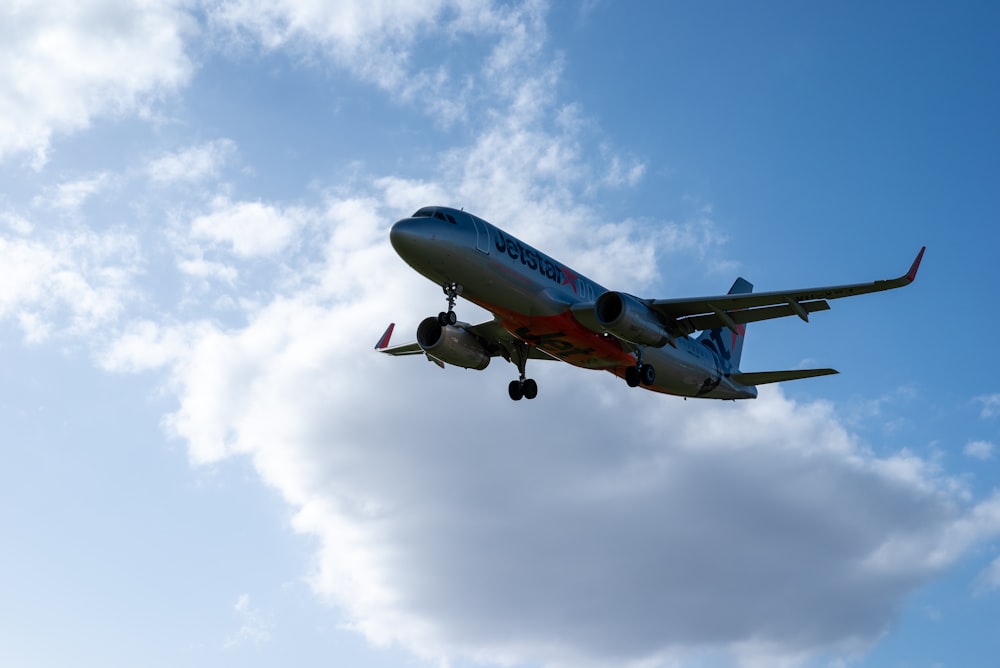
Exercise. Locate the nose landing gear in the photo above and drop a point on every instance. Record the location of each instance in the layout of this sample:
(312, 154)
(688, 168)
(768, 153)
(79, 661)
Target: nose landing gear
(451, 291)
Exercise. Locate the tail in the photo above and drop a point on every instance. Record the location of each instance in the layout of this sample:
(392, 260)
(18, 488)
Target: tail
(727, 343)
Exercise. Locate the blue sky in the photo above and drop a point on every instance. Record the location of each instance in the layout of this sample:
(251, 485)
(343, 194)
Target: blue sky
(204, 463)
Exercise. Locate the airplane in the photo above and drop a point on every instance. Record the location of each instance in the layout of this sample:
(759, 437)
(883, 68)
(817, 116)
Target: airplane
(544, 310)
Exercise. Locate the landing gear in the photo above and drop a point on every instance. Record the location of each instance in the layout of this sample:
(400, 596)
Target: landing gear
(641, 373)
(522, 388)
(451, 291)
(647, 374)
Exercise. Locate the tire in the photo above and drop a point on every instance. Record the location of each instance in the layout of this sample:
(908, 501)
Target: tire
(632, 376)
(529, 388)
(647, 374)
(515, 390)
(452, 318)
(442, 318)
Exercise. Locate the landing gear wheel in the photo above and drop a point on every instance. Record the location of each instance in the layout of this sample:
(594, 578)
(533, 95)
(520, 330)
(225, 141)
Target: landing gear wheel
(647, 374)
(530, 389)
(522, 389)
(448, 318)
(516, 390)
(632, 376)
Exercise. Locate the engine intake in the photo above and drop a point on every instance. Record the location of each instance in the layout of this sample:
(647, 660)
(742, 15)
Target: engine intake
(452, 344)
(631, 320)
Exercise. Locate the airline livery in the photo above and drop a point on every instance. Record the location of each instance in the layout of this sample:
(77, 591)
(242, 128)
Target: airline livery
(543, 310)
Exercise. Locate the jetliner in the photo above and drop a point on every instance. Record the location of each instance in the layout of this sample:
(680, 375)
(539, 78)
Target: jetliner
(543, 310)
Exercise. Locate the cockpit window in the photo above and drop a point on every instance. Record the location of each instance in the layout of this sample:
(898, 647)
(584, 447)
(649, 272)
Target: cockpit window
(433, 212)
(447, 217)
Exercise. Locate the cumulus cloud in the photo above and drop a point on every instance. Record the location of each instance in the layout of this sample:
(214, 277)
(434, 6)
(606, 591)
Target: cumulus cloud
(249, 229)
(594, 526)
(71, 281)
(62, 64)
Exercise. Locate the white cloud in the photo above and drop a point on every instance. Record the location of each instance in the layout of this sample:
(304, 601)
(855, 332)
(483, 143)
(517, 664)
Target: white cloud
(989, 579)
(250, 229)
(71, 281)
(979, 449)
(69, 196)
(254, 629)
(193, 163)
(16, 223)
(991, 405)
(594, 526)
(64, 63)
(376, 40)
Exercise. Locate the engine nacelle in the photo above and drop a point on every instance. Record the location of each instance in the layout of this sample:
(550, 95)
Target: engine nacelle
(452, 344)
(630, 320)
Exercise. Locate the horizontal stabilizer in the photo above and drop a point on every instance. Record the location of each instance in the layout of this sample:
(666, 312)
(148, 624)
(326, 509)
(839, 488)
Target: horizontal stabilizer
(765, 377)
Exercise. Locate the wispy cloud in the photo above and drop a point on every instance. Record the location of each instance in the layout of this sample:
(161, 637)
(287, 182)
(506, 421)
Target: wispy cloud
(69, 282)
(991, 405)
(68, 197)
(254, 629)
(66, 62)
(191, 164)
(982, 450)
(988, 579)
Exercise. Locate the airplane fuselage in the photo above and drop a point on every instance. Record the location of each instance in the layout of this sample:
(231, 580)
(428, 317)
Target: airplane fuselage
(547, 305)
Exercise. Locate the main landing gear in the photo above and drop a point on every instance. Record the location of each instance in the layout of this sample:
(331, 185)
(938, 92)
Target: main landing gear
(452, 291)
(641, 373)
(522, 388)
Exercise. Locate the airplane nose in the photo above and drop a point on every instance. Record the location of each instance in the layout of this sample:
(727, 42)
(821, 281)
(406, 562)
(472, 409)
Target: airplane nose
(406, 236)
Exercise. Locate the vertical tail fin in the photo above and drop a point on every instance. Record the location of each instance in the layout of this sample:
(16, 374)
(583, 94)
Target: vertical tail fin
(727, 343)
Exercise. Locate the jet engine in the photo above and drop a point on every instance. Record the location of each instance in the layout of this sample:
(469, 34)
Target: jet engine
(630, 320)
(452, 344)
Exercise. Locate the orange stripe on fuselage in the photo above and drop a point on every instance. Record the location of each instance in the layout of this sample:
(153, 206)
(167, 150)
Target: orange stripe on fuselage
(563, 337)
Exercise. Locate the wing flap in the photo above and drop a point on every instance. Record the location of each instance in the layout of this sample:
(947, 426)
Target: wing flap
(765, 377)
(713, 320)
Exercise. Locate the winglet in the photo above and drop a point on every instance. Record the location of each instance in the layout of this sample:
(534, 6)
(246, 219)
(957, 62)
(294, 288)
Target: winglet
(384, 341)
(912, 273)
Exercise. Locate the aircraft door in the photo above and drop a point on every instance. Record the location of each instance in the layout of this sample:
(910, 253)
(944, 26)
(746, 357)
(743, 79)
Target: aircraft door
(482, 235)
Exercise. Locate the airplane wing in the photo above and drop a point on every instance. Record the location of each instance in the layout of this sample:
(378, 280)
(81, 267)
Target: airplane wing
(702, 313)
(497, 340)
(496, 336)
